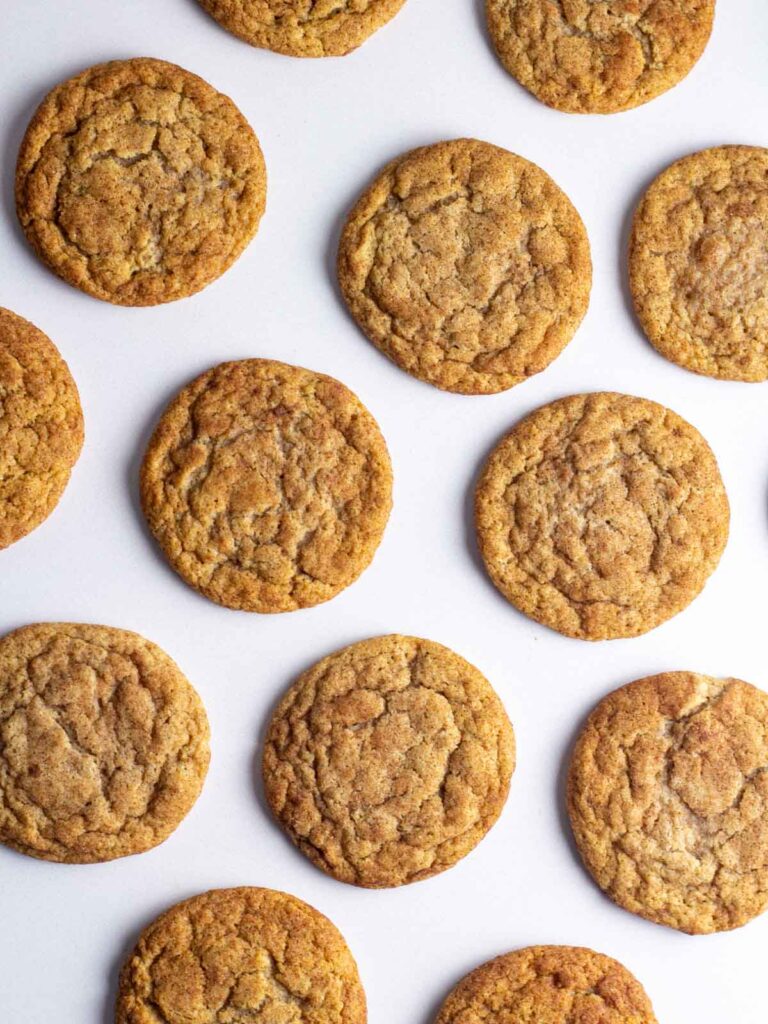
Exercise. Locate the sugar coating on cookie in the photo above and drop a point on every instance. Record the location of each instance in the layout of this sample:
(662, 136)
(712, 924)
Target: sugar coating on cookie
(388, 761)
(668, 799)
(599, 56)
(549, 985)
(138, 182)
(601, 515)
(41, 427)
(267, 486)
(699, 266)
(103, 743)
(241, 955)
(466, 265)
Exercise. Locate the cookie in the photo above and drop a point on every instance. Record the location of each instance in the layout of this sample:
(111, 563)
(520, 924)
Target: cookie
(103, 743)
(698, 272)
(139, 183)
(241, 955)
(267, 486)
(601, 515)
(304, 28)
(549, 985)
(41, 427)
(466, 265)
(599, 56)
(388, 761)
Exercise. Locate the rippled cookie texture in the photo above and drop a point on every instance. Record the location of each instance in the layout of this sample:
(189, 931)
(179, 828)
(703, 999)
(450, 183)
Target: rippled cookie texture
(388, 761)
(601, 515)
(466, 265)
(41, 427)
(236, 955)
(699, 263)
(668, 799)
(267, 486)
(138, 182)
(103, 743)
(599, 56)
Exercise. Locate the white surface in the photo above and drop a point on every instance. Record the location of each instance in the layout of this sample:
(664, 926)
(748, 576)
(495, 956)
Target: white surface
(326, 126)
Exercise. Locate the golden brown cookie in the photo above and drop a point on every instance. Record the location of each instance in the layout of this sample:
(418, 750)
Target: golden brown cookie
(388, 761)
(41, 427)
(236, 955)
(549, 985)
(601, 515)
(668, 799)
(304, 28)
(138, 182)
(698, 266)
(466, 265)
(103, 743)
(267, 486)
(599, 56)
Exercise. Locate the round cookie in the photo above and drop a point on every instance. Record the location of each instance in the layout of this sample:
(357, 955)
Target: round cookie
(139, 183)
(549, 985)
(697, 263)
(267, 486)
(237, 955)
(601, 515)
(103, 743)
(388, 761)
(599, 56)
(304, 28)
(668, 799)
(466, 265)
(41, 427)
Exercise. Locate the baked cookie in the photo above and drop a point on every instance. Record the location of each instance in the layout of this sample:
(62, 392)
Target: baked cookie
(304, 28)
(41, 427)
(267, 486)
(668, 799)
(388, 761)
(599, 56)
(138, 183)
(103, 743)
(697, 264)
(601, 515)
(237, 955)
(549, 985)
(466, 265)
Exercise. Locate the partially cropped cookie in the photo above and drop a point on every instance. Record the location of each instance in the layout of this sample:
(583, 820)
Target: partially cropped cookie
(103, 743)
(41, 427)
(388, 761)
(138, 182)
(236, 955)
(601, 515)
(267, 486)
(599, 56)
(668, 799)
(466, 265)
(549, 985)
(697, 263)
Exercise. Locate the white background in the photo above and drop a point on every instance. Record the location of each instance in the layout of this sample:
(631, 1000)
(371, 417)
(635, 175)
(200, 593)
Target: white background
(326, 126)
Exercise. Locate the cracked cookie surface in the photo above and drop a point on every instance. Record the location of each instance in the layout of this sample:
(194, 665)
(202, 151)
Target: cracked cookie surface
(466, 265)
(41, 427)
(103, 743)
(388, 761)
(139, 183)
(698, 263)
(267, 486)
(668, 799)
(549, 985)
(601, 515)
(599, 56)
(234, 955)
